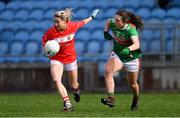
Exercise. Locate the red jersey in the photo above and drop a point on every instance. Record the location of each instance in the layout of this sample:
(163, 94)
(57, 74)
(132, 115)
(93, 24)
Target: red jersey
(67, 52)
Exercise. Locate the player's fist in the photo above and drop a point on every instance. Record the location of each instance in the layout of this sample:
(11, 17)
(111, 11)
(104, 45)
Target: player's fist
(95, 12)
(49, 54)
(125, 51)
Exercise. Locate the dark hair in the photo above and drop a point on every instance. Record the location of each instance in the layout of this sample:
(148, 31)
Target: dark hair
(130, 17)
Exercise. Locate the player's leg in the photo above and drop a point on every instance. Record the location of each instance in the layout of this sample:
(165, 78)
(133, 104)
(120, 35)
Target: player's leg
(56, 72)
(73, 79)
(132, 80)
(114, 64)
(132, 69)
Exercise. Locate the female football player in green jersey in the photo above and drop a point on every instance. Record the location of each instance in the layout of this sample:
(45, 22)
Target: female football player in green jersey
(126, 53)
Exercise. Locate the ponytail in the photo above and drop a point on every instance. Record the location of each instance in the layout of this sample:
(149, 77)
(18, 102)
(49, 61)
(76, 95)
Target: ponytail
(69, 13)
(136, 20)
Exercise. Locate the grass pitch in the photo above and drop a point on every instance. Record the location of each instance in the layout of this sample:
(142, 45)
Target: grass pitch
(48, 105)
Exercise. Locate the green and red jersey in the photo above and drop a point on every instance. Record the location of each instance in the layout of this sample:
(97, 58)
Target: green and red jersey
(122, 39)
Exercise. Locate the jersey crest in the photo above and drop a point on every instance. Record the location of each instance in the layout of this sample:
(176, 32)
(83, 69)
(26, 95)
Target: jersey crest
(64, 39)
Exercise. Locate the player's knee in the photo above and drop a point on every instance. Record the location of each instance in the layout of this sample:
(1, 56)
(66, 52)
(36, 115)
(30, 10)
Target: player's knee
(133, 86)
(108, 70)
(56, 81)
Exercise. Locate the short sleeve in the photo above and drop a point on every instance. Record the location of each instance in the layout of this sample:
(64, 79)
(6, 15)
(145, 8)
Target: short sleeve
(133, 32)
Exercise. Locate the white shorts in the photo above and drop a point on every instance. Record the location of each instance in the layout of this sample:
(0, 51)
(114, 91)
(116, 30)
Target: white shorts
(67, 67)
(131, 66)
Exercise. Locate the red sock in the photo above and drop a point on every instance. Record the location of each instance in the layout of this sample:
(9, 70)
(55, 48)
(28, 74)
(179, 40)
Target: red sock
(66, 99)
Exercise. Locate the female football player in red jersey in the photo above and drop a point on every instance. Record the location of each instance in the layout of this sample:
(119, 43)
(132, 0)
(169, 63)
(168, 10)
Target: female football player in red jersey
(126, 53)
(63, 32)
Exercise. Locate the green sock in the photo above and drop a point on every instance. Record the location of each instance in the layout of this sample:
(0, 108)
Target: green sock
(110, 94)
(135, 95)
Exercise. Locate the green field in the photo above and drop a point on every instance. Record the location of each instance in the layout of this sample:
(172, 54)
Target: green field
(48, 105)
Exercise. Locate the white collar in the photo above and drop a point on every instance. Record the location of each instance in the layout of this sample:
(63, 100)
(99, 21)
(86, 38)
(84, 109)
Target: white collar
(125, 26)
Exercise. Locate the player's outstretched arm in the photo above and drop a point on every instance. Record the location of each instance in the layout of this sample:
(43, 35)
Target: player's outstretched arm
(107, 35)
(92, 16)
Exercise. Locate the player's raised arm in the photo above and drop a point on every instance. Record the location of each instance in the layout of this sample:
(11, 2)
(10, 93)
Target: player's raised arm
(92, 16)
(106, 33)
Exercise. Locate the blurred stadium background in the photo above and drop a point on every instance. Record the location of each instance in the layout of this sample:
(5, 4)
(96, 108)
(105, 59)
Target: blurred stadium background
(23, 22)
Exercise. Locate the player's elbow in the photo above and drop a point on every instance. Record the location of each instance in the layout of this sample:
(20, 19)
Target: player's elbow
(137, 46)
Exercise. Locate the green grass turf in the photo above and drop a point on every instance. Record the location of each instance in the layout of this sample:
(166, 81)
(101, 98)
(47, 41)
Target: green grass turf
(48, 105)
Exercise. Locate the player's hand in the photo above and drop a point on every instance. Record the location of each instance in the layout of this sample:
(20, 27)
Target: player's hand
(125, 52)
(107, 35)
(49, 54)
(95, 12)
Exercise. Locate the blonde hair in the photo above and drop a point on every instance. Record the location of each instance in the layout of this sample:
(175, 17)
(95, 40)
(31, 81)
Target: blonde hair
(64, 14)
